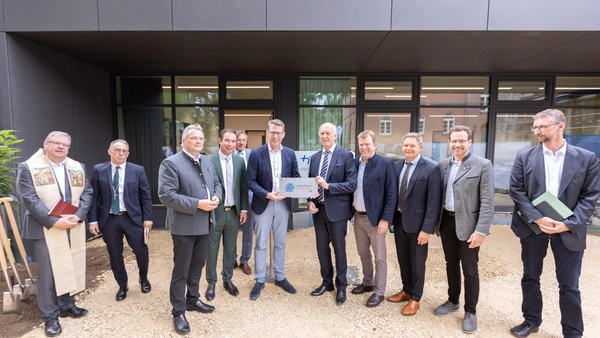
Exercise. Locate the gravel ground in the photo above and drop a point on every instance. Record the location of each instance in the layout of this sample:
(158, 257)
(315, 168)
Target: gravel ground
(278, 314)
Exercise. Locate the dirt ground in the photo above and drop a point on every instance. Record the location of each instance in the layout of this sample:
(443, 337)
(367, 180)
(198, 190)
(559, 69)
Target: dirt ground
(278, 314)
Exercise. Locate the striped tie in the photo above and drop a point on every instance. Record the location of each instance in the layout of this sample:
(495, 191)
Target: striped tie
(323, 174)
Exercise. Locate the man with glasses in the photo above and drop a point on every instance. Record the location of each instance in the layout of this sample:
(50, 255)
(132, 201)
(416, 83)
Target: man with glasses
(242, 151)
(572, 175)
(467, 213)
(122, 206)
(45, 179)
(266, 166)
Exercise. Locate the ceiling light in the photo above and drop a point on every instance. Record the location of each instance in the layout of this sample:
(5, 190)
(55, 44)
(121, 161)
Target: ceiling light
(453, 88)
(395, 115)
(504, 88)
(197, 87)
(247, 115)
(409, 96)
(379, 88)
(577, 88)
(248, 87)
(444, 116)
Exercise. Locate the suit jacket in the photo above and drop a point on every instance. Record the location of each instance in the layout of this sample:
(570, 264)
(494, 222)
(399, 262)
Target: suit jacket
(341, 177)
(36, 213)
(181, 185)
(421, 206)
(240, 191)
(259, 176)
(247, 153)
(473, 195)
(136, 194)
(579, 190)
(379, 188)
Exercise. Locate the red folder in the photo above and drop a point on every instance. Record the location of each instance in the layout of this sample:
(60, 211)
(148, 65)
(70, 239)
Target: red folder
(62, 208)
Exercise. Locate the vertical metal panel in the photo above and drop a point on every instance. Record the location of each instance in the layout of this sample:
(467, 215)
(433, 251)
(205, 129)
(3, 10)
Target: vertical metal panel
(1, 15)
(223, 15)
(312, 15)
(55, 15)
(5, 113)
(137, 15)
(439, 15)
(288, 109)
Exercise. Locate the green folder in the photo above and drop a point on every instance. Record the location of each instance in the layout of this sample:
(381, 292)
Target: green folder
(552, 207)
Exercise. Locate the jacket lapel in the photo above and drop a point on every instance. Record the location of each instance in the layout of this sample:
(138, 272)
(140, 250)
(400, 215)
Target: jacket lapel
(462, 170)
(334, 158)
(415, 175)
(571, 157)
(267, 160)
(537, 166)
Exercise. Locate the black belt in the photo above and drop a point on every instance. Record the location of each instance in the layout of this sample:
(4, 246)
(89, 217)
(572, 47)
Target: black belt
(362, 213)
(449, 213)
(229, 208)
(119, 214)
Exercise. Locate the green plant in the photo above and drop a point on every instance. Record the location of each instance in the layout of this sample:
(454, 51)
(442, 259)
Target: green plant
(8, 158)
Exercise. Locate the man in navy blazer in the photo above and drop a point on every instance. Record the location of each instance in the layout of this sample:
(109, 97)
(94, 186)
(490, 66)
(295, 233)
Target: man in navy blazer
(332, 208)
(266, 166)
(126, 210)
(419, 203)
(573, 175)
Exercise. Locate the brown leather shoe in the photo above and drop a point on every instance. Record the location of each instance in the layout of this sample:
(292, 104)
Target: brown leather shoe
(399, 297)
(411, 308)
(246, 268)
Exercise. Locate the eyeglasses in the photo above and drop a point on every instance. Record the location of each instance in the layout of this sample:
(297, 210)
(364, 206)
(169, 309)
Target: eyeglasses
(542, 127)
(276, 133)
(458, 141)
(121, 151)
(58, 144)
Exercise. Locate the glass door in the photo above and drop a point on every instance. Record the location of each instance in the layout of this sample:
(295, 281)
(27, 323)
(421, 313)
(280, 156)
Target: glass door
(389, 127)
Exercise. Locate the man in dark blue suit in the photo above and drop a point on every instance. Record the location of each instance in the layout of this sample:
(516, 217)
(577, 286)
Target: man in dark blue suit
(121, 205)
(335, 174)
(374, 203)
(266, 166)
(573, 175)
(419, 202)
(248, 227)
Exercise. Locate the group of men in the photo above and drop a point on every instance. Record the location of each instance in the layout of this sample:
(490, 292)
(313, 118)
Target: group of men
(208, 198)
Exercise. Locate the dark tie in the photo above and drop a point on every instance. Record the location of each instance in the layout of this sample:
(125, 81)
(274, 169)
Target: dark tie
(114, 206)
(323, 174)
(403, 186)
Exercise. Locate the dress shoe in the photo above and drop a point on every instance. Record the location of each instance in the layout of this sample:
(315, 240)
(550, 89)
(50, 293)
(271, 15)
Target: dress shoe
(199, 306)
(181, 324)
(399, 297)
(255, 293)
(411, 308)
(235, 264)
(446, 308)
(286, 286)
(122, 293)
(359, 290)
(74, 312)
(340, 297)
(146, 287)
(524, 329)
(53, 328)
(210, 292)
(375, 300)
(469, 323)
(246, 268)
(321, 289)
(232, 289)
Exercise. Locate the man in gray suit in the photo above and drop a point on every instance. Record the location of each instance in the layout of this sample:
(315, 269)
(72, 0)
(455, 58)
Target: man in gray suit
(43, 180)
(467, 213)
(242, 151)
(189, 188)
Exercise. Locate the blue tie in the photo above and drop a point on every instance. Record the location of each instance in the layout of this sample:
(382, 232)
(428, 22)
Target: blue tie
(114, 206)
(323, 174)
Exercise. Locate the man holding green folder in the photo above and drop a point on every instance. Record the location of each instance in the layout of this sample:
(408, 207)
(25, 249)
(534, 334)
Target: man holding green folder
(555, 187)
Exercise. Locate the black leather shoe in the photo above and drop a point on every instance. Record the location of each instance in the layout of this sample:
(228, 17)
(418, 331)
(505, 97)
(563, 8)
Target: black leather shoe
(200, 307)
(321, 289)
(210, 292)
(53, 328)
(286, 286)
(74, 312)
(181, 324)
(122, 293)
(232, 289)
(375, 300)
(524, 329)
(340, 297)
(359, 290)
(146, 287)
(255, 293)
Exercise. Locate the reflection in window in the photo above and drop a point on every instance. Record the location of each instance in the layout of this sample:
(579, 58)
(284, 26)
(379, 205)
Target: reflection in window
(421, 123)
(207, 117)
(521, 90)
(249, 90)
(577, 91)
(448, 123)
(455, 90)
(388, 144)
(325, 91)
(311, 118)
(149, 90)
(197, 90)
(385, 125)
(388, 90)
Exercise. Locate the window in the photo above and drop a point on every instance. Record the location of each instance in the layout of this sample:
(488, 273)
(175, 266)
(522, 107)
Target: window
(385, 125)
(388, 90)
(577, 91)
(455, 90)
(449, 120)
(421, 123)
(249, 90)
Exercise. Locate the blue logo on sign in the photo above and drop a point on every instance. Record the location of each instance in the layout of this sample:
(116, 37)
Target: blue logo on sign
(289, 187)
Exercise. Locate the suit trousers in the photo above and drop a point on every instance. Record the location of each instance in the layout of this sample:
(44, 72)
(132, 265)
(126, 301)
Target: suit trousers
(568, 269)
(457, 252)
(112, 234)
(327, 232)
(189, 256)
(367, 238)
(228, 230)
(275, 217)
(247, 236)
(411, 258)
(49, 303)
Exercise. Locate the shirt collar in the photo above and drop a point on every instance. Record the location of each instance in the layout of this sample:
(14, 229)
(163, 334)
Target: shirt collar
(464, 159)
(330, 149)
(113, 166)
(54, 165)
(361, 160)
(223, 156)
(416, 160)
(562, 151)
(273, 151)
(190, 155)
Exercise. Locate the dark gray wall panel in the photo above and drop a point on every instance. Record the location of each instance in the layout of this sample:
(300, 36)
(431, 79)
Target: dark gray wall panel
(1, 15)
(135, 15)
(5, 114)
(219, 15)
(581, 15)
(55, 15)
(439, 15)
(312, 15)
(288, 103)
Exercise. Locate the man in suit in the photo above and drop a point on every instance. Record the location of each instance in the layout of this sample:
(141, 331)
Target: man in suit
(419, 198)
(573, 175)
(467, 213)
(230, 213)
(335, 173)
(375, 200)
(44, 179)
(121, 205)
(190, 189)
(266, 166)
(242, 151)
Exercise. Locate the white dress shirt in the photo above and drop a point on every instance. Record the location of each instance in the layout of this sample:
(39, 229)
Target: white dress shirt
(275, 157)
(553, 167)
